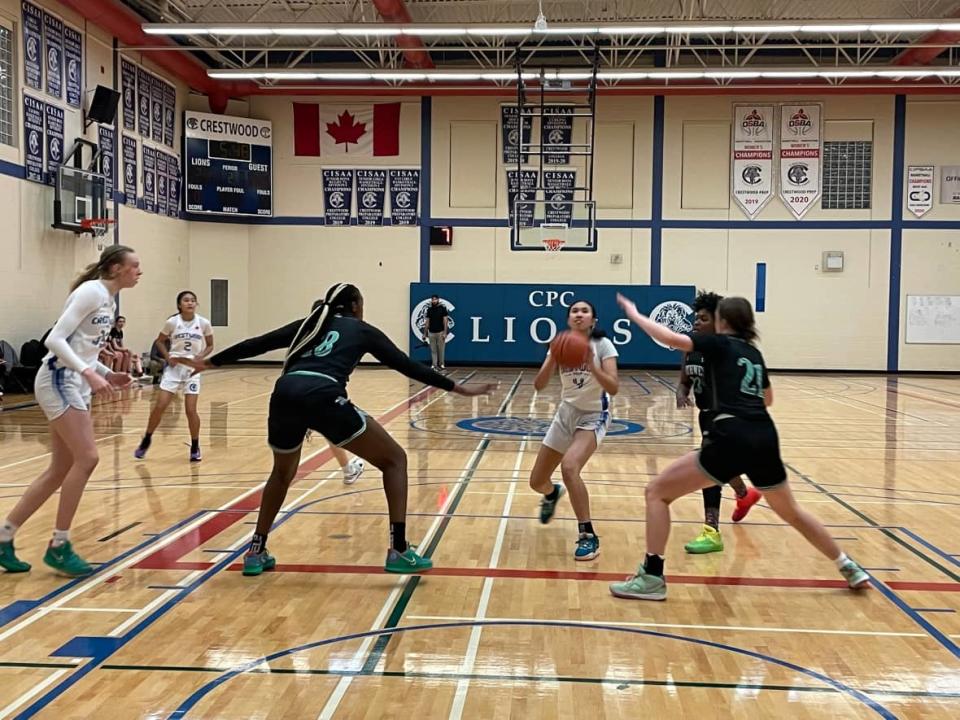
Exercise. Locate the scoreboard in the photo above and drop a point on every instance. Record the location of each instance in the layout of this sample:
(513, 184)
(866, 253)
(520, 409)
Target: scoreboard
(228, 168)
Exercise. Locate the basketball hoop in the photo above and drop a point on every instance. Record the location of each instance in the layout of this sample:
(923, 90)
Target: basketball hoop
(98, 227)
(553, 245)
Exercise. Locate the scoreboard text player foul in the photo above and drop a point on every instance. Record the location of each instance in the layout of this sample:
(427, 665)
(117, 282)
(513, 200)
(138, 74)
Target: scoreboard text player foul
(228, 165)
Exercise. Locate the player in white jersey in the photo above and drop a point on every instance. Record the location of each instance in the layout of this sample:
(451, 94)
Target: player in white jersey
(578, 428)
(190, 337)
(70, 373)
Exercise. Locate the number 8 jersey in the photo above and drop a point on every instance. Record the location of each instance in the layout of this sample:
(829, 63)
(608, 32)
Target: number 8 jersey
(187, 337)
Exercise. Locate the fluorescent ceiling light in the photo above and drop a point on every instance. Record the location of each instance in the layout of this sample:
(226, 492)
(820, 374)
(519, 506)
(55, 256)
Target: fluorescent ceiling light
(732, 74)
(241, 30)
(442, 31)
(502, 31)
(572, 30)
(834, 28)
(698, 29)
(766, 28)
(632, 30)
(903, 27)
(174, 30)
(304, 31)
(372, 30)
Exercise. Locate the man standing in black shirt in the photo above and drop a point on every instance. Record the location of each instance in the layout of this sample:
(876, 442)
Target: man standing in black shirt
(436, 332)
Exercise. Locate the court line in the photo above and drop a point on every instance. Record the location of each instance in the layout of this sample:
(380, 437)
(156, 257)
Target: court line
(432, 538)
(473, 645)
(33, 692)
(683, 626)
(46, 454)
(100, 649)
(200, 693)
(886, 588)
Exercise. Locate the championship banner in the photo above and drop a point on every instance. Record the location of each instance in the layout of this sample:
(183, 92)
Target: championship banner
(558, 192)
(510, 133)
(173, 187)
(920, 189)
(371, 196)
(752, 166)
(33, 138)
(73, 63)
(169, 110)
(521, 188)
(143, 102)
(54, 133)
(156, 109)
(149, 179)
(53, 51)
(130, 170)
(556, 128)
(801, 151)
(404, 196)
(949, 184)
(32, 45)
(105, 139)
(128, 94)
(161, 183)
(337, 196)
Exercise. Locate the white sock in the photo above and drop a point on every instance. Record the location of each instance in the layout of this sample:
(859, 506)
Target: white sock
(60, 537)
(7, 531)
(842, 560)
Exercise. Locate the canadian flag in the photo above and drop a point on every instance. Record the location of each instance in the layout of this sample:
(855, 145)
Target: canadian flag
(346, 130)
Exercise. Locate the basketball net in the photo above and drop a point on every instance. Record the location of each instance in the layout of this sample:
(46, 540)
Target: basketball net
(553, 237)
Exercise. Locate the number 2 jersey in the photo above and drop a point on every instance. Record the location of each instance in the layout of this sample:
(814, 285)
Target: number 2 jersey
(735, 376)
(188, 338)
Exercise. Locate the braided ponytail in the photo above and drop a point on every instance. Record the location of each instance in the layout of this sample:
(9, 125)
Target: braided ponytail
(113, 255)
(338, 298)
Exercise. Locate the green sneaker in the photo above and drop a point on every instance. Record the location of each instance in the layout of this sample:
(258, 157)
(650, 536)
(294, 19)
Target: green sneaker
(406, 562)
(9, 560)
(65, 561)
(640, 587)
(708, 541)
(256, 563)
(855, 575)
(549, 507)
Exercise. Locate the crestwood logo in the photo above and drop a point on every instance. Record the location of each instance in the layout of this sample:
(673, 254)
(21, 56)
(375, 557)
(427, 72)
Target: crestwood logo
(798, 174)
(418, 318)
(674, 315)
(752, 174)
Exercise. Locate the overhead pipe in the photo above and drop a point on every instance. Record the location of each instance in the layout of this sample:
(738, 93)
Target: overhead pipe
(125, 25)
(415, 54)
(926, 55)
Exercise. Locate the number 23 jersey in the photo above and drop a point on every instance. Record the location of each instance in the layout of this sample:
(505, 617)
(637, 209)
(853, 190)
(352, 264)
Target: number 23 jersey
(737, 375)
(187, 337)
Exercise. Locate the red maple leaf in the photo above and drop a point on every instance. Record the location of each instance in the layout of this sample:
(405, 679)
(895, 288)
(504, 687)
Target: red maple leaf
(345, 130)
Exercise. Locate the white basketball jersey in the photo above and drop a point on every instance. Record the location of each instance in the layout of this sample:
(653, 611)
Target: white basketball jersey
(187, 338)
(85, 322)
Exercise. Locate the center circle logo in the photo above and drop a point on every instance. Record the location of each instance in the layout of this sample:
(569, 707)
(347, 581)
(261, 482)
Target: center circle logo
(53, 59)
(418, 318)
(555, 137)
(369, 199)
(752, 174)
(402, 199)
(798, 174)
(535, 427)
(336, 200)
(32, 47)
(675, 315)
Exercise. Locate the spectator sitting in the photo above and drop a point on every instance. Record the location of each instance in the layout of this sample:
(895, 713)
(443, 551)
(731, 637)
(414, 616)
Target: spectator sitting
(125, 360)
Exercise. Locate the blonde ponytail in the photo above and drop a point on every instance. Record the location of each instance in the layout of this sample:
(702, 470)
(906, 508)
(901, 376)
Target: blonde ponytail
(113, 255)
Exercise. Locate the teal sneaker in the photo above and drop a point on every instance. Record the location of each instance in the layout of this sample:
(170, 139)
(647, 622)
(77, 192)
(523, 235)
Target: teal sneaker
(640, 587)
(406, 562)
(588, 547)
(855, 575)
(549, 507)
(9, 560)
(256, 563)
(65, 561)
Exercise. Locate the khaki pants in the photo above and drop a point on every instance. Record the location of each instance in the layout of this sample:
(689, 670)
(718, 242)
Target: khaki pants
(437, 343)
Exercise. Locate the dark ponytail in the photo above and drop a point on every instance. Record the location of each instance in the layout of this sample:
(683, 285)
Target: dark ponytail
(738, 314)
(339, 299)
(596, 333)
(180, 296)
(102, 268)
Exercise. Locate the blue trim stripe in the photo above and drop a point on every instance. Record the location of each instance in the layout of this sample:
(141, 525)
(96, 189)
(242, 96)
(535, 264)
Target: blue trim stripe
(760, 303)
(656, 197)
(426, 160)
(896, 233)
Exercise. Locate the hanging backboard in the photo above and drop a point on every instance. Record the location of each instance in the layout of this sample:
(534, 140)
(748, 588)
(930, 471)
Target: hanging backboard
(78, 195)
(554, 225)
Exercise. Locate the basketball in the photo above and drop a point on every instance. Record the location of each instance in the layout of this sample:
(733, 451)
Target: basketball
(570, 349)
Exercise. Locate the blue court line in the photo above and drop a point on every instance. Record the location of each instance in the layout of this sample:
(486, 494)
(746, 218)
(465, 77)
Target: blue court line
(166, 587)
(21, 607)
(930, 546)
(205, 689)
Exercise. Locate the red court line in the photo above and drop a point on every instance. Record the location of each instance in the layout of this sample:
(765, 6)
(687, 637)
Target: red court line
(168, 558)
(520, 574)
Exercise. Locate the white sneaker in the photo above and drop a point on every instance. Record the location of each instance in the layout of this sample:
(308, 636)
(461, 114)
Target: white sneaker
(352, 471)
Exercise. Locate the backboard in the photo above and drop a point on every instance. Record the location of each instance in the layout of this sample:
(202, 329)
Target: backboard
(78, 195)
(557, 225)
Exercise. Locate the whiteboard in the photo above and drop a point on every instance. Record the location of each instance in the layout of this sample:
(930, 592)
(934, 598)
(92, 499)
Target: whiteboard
(933, 319)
